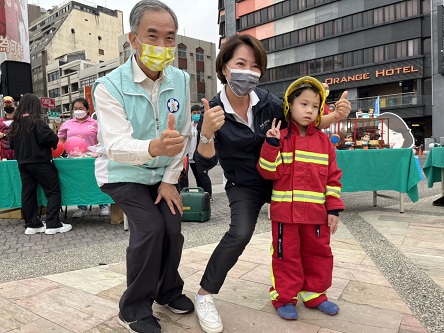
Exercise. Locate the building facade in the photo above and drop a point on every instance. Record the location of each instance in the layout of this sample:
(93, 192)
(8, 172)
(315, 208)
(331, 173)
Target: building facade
(72, 28)
(387, 48)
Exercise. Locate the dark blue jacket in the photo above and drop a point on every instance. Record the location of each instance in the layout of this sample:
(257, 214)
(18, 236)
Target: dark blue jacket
(238, 147)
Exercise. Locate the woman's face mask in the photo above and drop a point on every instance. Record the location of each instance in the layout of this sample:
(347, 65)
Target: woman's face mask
(79, 114)
(156, 58)
(195, 117)
(243, 81)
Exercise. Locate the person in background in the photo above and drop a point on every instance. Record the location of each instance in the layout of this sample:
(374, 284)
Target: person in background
(305, 201)
(9, 107)
(201, 175)
(232, 131)
(83, 126)
(32, 140)
(143, 112)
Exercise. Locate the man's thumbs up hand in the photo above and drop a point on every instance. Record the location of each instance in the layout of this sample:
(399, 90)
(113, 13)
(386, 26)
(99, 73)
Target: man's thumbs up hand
(170, 142)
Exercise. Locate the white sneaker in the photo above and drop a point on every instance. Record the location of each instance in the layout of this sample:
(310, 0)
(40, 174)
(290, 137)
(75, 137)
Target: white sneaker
(80, 213)
(104, 211)
(209, 318)
(33, 231)
(63, 228)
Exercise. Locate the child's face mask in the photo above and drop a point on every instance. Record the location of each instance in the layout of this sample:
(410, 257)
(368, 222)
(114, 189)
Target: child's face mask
(195, 117)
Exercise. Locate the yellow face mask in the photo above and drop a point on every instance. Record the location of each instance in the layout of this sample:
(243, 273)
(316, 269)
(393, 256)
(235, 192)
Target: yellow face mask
(156, 58)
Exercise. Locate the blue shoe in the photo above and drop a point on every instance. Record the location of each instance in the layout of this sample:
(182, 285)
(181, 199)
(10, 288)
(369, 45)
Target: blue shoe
(288, 311)
(328, 307)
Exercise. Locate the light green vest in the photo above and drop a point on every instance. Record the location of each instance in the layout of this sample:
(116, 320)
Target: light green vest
(140, 113)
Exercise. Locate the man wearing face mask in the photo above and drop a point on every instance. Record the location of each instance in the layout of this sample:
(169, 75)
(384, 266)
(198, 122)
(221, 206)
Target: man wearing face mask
(5, 149)
(201, 175)
(143, 113)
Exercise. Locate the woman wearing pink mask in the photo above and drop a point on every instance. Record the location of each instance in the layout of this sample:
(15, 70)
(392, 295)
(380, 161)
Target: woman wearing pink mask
(83, 126)
(232, 131)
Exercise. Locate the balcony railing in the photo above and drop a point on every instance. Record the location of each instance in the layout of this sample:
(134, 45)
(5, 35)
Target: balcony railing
(386, 101)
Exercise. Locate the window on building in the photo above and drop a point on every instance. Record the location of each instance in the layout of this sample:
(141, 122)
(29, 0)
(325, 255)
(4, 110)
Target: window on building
(378, 52)
(243, 22)
(200, 95)
(182, 51)
(285, 7)
(337, 27)
(412, 47)
(270, 13)
(54, 93)
(302, 4)
(200, 76)
(378, 16)
(358, 57)
(311, 34)
(368, 55)
(302, 36)
(257, 18)
(367, 19)
(279, 42)
(347, 23)
(319, 31)
(389, 13)
(199, 55)
(278, 12)
(286, 40)
(53, 76)
(412, 7)
(390, 51)
(101, 52)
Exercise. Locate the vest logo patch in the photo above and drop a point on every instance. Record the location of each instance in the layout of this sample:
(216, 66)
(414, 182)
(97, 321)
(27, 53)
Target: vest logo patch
(173, 105)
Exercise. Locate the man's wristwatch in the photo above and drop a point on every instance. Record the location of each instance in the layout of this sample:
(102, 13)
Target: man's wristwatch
(204, 139)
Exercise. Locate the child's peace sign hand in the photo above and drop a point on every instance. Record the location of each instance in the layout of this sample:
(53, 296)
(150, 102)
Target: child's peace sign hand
(274, 131)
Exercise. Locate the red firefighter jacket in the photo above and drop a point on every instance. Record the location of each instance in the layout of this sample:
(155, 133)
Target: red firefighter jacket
(306, 176)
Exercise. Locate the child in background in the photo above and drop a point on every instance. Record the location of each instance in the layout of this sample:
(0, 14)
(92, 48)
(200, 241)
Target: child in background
(305, 202)
(5, 149)
(32, 140)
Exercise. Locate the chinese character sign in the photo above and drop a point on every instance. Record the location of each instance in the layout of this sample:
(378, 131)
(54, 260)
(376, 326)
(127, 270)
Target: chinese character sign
(14, 37)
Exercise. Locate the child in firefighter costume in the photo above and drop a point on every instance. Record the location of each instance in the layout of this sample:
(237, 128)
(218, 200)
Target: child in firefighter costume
(305, 202)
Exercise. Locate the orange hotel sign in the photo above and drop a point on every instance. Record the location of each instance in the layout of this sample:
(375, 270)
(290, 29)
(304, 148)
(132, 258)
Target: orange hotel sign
(376, 74)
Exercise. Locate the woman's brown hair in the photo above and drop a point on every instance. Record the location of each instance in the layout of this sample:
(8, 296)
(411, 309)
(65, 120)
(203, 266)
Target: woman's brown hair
(229, 47)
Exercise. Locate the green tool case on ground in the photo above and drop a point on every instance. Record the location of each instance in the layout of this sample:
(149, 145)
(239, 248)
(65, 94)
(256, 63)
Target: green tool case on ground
(196, 204)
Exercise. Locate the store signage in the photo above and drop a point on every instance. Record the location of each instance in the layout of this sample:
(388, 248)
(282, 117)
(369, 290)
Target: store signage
(395, 71)
(48, 102)
(377, 73)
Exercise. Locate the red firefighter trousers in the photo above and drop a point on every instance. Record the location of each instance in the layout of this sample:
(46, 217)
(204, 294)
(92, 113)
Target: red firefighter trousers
(302, 261)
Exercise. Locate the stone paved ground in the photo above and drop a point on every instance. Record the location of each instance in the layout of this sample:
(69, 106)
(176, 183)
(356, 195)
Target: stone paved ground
(388, 273)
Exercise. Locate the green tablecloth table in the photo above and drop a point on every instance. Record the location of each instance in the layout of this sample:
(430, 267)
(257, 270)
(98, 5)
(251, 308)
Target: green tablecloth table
(77, 182)
(380, 169)
(434, 170)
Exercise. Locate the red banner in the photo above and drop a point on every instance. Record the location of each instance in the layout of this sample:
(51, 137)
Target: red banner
(48, 102)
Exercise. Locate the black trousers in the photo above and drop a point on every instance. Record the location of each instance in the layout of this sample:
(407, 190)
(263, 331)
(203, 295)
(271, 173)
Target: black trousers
(202, 178)
(47, 176)
(245, 205)
(154, 250)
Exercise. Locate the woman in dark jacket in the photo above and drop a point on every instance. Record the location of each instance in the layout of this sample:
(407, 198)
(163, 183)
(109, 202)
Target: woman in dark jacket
(32, 140)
